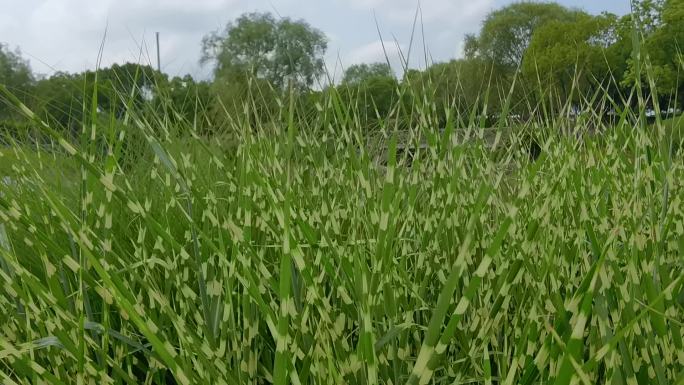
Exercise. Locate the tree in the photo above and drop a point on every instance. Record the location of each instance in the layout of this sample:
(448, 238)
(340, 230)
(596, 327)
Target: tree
(359, 73)
(661, 41)
(183, 100)
(370, 89)
(65, 97)
(463, 86)
(648, 14)
(572, 54)
(124, 86)
(506, 33)
(15, 74)
(240, 98)
(60, 99)
(371, 98)
(665, 47)
(278, 51)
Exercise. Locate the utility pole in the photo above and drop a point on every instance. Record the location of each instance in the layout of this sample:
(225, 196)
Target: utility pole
(158, 59)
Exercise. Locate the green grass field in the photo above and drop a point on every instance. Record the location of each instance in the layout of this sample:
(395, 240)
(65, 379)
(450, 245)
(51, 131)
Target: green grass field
(289, 255)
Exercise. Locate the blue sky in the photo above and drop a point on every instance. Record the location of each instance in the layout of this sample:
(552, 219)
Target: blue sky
(65, 35)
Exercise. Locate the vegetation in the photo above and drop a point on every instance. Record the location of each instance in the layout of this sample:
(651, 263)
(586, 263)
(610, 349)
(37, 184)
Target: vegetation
(279, 51)
(506, 33)
(360, 73)
(524, 47)
(15, 74)
(470, 223)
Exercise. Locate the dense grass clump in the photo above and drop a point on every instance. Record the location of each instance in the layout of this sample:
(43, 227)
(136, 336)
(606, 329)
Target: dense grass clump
(303, 251)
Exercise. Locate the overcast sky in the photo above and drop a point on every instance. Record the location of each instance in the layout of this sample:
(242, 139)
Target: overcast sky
(65, 35)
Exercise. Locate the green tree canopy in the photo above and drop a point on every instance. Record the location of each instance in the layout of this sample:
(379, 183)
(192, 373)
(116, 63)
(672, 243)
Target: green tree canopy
(371, 98)
(665, 48)
(278, 51)
(648, 14)
(15, 74)
(63, 98)
(464, 86)
(183, 98)
(60, 98)
(567, 54)
(359, 73)
(506, 33)
(370, 90)
(661, 38)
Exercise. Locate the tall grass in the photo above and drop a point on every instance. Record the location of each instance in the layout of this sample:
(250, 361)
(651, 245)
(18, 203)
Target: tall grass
(295, 251)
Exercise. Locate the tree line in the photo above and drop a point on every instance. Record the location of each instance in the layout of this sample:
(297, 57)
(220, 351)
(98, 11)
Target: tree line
(529, 58)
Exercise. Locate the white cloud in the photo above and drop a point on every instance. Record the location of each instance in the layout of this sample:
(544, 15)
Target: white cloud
(449, 11)
(374, 52)
(441, 25)
(65, 35)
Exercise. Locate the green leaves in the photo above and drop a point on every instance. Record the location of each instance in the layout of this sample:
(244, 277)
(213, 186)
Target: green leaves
(277, 50)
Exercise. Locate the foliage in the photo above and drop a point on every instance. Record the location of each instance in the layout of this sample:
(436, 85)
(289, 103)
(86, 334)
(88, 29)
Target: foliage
(359, 73)
(573, 55)
(665, 51)
(462, 85)
(241, 99)
(15, 73)
(660, 60)
(184, 99)
(373, 99)
(278, 51)
(257, 58)
(371, 90)
(648, 14)
(564, 54)
(65, 98)
(507, 32)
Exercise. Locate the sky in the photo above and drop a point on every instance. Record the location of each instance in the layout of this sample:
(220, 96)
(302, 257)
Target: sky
(66, 35)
